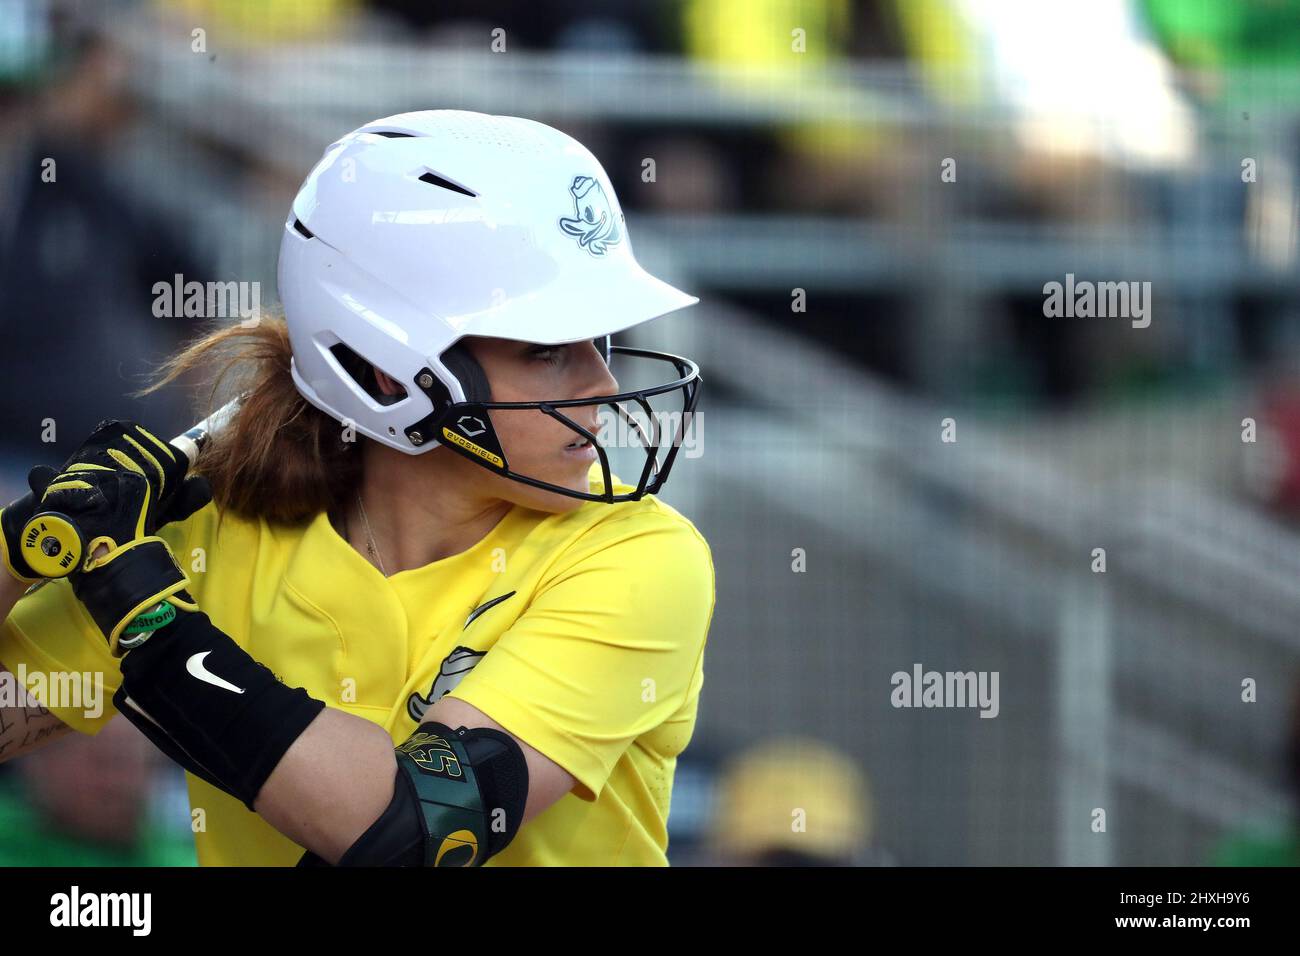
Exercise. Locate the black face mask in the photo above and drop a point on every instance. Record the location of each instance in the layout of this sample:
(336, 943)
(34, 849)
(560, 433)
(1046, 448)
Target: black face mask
(466, 428)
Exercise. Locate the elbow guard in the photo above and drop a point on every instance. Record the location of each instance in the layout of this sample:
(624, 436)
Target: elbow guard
(458, 799)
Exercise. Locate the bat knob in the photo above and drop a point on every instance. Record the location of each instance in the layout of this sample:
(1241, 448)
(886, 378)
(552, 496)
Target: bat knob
(52, 545)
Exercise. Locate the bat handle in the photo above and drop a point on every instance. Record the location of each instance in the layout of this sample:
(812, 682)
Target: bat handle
(195, 439)
(191, 442)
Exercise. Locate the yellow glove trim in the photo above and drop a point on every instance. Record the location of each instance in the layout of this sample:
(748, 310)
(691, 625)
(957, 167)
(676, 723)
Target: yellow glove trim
(162, 476)
(71, 484)
(89, 564)
(87, 466)
(125, 461)
(157, 441)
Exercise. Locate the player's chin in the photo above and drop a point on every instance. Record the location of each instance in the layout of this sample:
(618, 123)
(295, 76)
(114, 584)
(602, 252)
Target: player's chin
(579, 482)
(564, 476)
(575, 477)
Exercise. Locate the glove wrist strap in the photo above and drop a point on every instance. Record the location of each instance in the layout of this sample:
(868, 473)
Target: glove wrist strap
(129, 581)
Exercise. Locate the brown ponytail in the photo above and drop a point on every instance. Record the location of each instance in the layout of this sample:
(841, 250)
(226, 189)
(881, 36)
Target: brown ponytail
(280, 458)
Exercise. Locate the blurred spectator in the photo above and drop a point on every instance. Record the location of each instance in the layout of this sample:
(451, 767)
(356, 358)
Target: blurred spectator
(257, 21)
(697, 177)
(78, 261)
(1240, 58)
(793, 802)
(795, 51)
(1069, 103)
(589, 25)
(86, 801)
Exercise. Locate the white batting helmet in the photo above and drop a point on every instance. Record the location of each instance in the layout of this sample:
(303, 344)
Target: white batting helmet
(420, 229)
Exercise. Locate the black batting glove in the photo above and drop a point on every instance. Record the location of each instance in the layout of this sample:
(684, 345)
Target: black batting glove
(124, 483)
(119, 488)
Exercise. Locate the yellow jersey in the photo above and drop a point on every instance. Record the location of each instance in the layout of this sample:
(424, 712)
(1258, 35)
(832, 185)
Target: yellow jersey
(582, 634)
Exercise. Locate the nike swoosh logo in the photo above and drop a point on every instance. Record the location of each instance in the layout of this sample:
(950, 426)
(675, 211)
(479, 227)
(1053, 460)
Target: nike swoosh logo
(195, 666)
(483, 607)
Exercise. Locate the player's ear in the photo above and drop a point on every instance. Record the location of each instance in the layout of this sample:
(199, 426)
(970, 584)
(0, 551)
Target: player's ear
(387, 385)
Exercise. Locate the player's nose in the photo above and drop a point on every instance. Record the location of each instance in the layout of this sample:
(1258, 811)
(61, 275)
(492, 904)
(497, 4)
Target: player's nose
(595, 377)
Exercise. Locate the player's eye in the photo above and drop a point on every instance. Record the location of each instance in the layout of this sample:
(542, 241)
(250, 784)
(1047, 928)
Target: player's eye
(546, 353)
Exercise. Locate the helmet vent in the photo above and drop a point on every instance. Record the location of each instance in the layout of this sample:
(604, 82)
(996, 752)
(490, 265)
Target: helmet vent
(392, 134)
(302, 230)
(435, 180)
(363, 373)
(504, 133)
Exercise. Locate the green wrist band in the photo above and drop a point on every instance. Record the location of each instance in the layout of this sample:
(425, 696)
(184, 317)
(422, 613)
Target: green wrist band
(150, 621)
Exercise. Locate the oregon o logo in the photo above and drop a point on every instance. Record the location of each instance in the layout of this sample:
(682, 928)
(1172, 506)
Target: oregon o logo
(457, 849)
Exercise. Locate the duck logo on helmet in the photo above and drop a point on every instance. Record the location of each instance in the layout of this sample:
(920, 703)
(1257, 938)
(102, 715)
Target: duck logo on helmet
(593, 224)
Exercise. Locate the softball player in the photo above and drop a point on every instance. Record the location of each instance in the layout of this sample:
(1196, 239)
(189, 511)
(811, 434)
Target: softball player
(403, 613)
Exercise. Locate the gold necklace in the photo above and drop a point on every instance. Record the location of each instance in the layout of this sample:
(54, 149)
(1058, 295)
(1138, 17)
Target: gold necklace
(370, 537)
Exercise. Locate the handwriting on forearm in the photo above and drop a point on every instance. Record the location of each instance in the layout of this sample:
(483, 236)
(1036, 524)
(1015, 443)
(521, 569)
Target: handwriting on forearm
(27, 726)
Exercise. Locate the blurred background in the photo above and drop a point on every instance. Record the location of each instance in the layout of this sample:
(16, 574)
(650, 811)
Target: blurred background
(910, 459)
